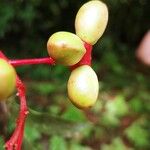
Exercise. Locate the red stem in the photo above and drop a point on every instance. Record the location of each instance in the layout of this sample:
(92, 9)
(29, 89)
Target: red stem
(15, 141)
(86, 59)
(47, 60)
(3, 56)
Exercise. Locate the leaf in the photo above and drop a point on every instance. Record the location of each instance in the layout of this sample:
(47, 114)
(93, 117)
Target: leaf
(115, 109)
(75, 146)
(116, 144)
(54, 109)
(74, 114)
(52, 125)
(6, 16)
(136, 104)
(1, 143)
(118, 106)
(112, 61)
(138, 135)
(57, 143)
(43, 87)
(109, 119)
(31, 134)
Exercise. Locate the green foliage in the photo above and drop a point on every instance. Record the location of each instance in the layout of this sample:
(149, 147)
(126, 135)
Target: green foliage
(115, 109)
(43, 88)
(136, 104)
(118, 106)
(1, 143)
(116, 144)
(57, 142)
(75, 146)
(33, 132)
(138, 135)
(73, 114)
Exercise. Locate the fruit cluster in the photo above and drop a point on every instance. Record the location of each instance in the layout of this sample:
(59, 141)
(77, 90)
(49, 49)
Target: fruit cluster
(69, 49)
(73, 50)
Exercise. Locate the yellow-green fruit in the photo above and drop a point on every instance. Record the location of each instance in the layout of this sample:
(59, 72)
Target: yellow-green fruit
(83, 87)
(91, 21)
(7, 79)
(65, 48)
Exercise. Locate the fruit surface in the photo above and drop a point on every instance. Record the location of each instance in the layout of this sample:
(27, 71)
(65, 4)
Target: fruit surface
(91, 21)
(83, 87)
(65, 48)
(7, 79)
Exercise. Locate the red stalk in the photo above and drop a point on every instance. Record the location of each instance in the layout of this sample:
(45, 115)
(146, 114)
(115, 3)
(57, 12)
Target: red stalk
(47, 60)
(86, 59)
(3, 56)
(15, 141)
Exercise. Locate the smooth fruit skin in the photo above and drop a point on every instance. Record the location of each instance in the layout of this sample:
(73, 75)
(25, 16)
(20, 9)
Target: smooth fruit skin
(91, 21)
(65, 48)
(83, 87)
(7, 79)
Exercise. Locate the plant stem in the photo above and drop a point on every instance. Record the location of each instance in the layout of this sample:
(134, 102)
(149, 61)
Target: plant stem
(16, 139)
(3, 56)
(86, 59)
(47, 60)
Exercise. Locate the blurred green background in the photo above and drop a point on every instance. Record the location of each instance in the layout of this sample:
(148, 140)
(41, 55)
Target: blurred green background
(120, 118)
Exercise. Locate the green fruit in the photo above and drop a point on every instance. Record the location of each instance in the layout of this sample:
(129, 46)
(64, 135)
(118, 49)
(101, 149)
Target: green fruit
(65, 48)
(83, 87)
(7, 79)
(91, 21)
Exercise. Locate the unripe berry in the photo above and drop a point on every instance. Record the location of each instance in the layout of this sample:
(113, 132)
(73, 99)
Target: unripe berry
(91, 21)
(65, 48)
(7, 79)
(83, 87)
